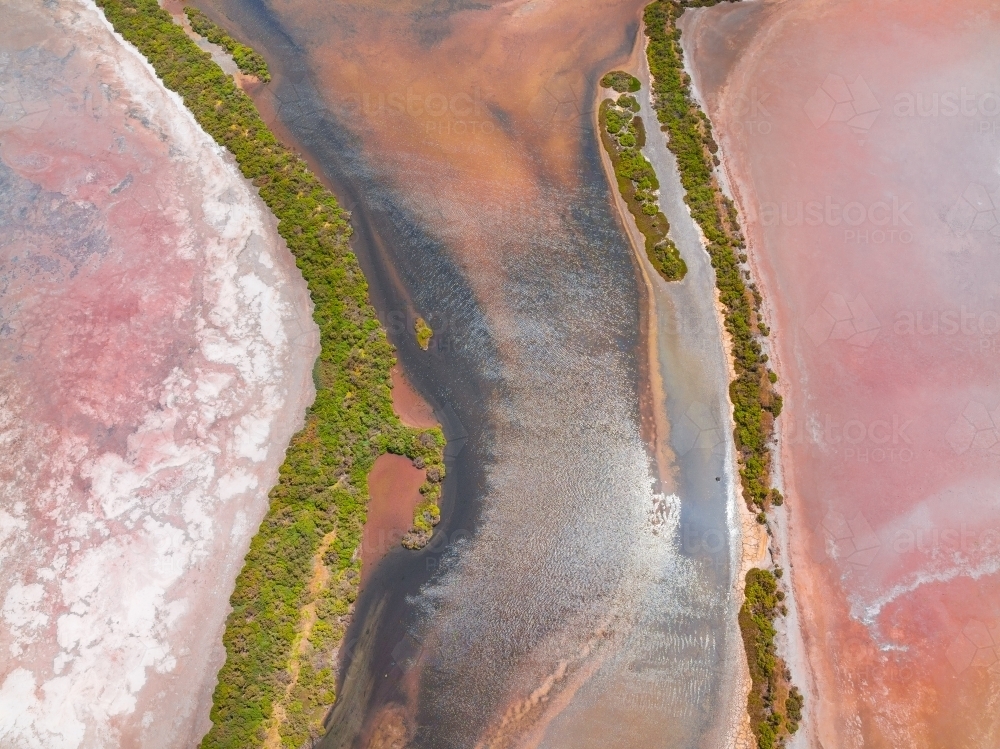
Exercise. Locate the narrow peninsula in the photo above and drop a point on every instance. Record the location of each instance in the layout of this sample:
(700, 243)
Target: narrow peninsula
(774, 705)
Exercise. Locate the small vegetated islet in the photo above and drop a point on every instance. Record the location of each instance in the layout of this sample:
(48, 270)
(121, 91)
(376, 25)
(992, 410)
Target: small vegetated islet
(621, 82)
(774, 705)
(295, 594)
(623, 136)
(247, 59)
(423, 332)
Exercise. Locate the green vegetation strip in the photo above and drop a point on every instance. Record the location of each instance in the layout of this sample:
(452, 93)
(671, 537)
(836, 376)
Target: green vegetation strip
(272, 680)
(755, 402)
(623, 135)
(246, 59)
(775, 707)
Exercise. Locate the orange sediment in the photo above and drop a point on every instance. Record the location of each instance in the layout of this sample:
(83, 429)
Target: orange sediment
(411, 409)
(394, 490)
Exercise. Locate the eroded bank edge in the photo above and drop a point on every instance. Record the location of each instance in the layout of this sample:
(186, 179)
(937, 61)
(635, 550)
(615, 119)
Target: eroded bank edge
(774, 704)
(293, 599)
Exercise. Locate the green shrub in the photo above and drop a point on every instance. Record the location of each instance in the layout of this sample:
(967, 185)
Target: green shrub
(621, 81)
(793, 708)
(628, 103)
(690, 139)
(636, 179)
(615, 121)
(423, 332)
(767, 670)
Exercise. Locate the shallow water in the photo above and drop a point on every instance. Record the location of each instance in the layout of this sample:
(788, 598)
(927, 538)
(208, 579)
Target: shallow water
(572, 596)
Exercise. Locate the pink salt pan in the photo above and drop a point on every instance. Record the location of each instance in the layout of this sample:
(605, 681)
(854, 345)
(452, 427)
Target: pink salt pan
(861, 142)
(157, 343)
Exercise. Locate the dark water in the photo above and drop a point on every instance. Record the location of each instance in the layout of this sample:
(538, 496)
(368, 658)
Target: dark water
(562, 589)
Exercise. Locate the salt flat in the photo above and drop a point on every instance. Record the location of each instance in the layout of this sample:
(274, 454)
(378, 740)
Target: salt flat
(861, 141)
(157, 343)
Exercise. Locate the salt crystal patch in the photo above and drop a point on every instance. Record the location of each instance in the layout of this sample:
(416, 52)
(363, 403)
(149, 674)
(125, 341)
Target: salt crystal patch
(251, 437)
(21, 604)
(69, 628)
(234, 483)
(129, 526)
(17, 697)
(269, 306)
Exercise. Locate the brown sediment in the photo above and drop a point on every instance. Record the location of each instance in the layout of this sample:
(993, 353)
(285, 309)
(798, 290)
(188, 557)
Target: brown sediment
(531, 62)
(526, 719)
(394, 490)
(391, 729)
(455, 177)
(411, 409)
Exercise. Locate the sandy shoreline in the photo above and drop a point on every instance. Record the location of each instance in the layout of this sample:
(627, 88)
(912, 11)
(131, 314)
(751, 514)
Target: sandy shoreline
(657, 408)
